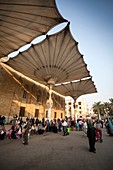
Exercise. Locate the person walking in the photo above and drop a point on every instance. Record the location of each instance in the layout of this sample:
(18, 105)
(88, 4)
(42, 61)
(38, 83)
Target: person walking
(91, 134)
(64, 125)
(26, 132)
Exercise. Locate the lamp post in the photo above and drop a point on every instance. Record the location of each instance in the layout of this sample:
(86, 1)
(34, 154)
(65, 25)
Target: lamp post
(75, 111)
(75, 116)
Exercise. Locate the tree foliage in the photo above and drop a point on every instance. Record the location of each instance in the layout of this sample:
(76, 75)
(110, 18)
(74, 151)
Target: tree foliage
(104, 109)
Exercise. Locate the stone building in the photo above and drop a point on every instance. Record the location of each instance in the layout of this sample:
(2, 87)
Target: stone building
(76, 110)
(81, 108)
(26, 98)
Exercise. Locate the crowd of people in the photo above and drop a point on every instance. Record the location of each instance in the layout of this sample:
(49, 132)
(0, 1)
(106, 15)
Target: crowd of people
(35, 126)
(23, 129)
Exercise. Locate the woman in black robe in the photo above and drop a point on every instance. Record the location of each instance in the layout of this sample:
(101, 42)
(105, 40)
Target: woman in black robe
(91, 134)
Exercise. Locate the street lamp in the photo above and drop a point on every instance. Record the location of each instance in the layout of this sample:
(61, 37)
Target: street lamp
(75, 111)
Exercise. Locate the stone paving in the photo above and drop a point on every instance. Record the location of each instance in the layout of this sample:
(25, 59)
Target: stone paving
(53, 151)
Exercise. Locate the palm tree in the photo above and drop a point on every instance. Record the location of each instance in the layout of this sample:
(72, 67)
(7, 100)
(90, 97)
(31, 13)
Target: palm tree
(103, 109)
(111, 100)
(111, 107)
(97, 109)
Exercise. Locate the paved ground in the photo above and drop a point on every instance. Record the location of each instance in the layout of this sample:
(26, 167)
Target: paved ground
(56, 152)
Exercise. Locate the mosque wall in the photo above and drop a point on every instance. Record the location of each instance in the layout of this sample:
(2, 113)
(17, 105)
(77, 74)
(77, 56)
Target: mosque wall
(14, 100)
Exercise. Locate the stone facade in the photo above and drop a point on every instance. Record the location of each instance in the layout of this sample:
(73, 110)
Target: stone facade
(14, 100)
(76, 110)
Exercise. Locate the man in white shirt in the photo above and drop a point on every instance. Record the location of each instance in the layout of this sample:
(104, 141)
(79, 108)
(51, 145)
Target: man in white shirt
(64, 124)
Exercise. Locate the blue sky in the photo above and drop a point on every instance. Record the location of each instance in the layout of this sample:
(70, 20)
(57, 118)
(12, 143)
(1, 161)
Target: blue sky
(91, 23)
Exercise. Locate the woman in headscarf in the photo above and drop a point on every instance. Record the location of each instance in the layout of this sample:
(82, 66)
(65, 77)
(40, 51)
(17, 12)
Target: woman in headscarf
(91, 134)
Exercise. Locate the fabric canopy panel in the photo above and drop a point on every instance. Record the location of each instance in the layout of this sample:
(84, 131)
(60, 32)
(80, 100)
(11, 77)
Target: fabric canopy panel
(54, 60)
(25, 82)
(23, 20)
(76, 89)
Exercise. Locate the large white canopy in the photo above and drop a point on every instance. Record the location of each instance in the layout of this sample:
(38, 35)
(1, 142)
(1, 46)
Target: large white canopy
(23, 20)
(54, 60)
(76, 89)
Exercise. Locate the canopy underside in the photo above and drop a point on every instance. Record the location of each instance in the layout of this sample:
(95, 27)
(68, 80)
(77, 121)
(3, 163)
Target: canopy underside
(22, 21)
(76, 89)
(54, 60)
